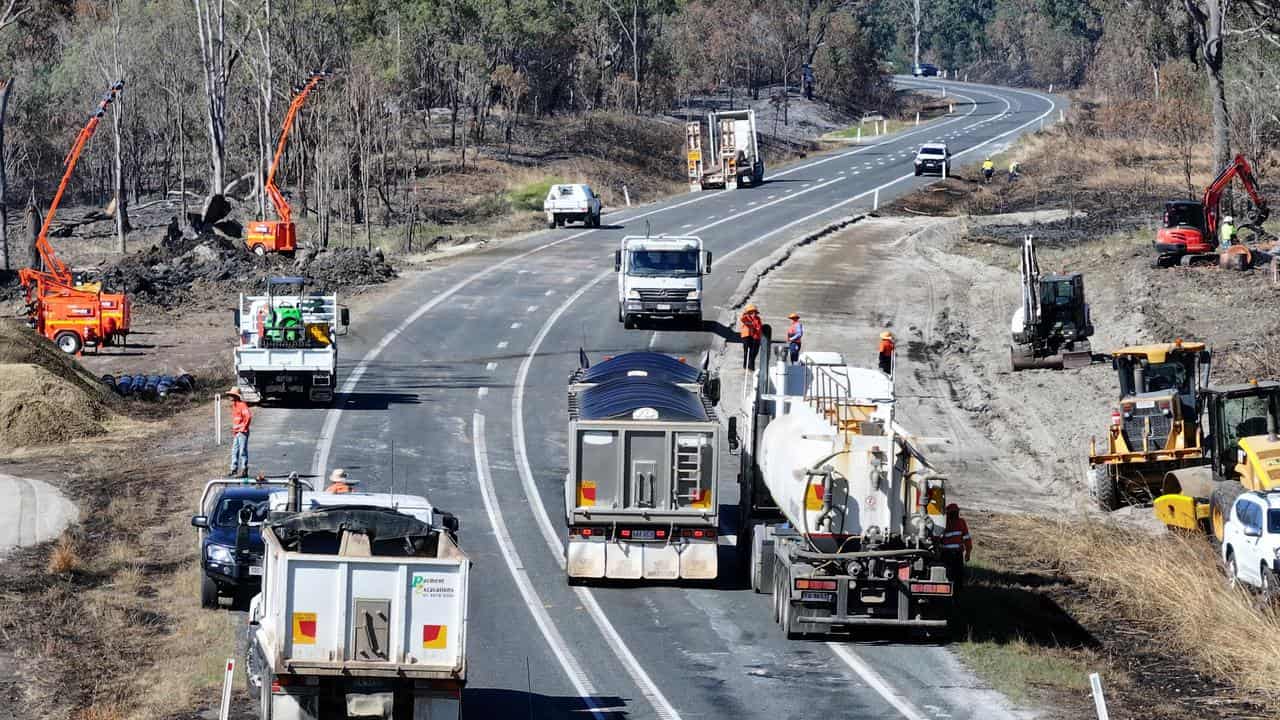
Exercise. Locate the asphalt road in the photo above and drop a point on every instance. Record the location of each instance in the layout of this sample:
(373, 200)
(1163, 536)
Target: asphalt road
(455, 388)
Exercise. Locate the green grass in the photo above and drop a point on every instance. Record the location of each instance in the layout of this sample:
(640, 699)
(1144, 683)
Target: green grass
(530, 195)
(1016, 668)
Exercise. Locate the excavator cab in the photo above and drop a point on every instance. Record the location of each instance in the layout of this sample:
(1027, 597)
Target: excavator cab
(1154, 424)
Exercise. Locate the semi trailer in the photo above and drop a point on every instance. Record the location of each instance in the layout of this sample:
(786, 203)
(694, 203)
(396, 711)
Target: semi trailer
(733, 151)
(640, 496)
(842, 516)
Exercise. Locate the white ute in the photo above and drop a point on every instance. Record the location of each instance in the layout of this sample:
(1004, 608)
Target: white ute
(933, 158)
(1251, 543)
(288, 343)
(572, 203)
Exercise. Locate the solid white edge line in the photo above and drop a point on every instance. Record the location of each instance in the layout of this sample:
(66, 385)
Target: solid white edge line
(877, 683)
(568, 663)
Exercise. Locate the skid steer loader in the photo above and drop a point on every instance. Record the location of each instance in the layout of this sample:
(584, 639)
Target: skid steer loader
(1051, 328)
(1155, 424)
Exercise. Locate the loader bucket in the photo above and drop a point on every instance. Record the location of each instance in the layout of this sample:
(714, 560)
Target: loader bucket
(1025, 360)
(1077, 359)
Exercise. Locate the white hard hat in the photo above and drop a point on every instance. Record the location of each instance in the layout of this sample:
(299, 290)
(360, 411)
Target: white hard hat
(340, 475)
(1229, 219)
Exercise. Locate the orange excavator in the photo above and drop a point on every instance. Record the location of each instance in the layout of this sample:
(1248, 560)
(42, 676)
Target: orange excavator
(1190, 230)
(281, 235)
(74, 315)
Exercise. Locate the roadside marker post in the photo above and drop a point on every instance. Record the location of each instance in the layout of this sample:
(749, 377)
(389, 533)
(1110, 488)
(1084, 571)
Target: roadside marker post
(626, 195)
(875, 202)
(217, 418)
(1099, 701)
(225, 710)
(859, 140)
(917, 118)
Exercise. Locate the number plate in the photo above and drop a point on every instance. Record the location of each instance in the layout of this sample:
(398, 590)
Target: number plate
(664, 306)
(643, 535)
(816, 596)
(255, 570)
(1146, 404)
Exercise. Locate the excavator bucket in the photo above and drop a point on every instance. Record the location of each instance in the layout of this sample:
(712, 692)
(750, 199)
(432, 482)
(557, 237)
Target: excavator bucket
(1076, 359)
(1236, 257)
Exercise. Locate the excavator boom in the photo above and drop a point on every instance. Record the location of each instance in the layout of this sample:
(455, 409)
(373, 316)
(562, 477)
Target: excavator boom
(277, 199)
(1240, 168)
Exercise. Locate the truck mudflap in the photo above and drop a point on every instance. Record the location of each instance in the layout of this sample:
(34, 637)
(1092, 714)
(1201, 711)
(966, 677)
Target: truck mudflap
(295, 703)
(686, 559)
(367, 699)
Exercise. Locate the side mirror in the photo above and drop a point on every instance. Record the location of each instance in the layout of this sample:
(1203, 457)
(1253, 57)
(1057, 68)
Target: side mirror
(200, 521)
(713, 390)
(707, 264)
(344, 316)
(617, 261)
(735, 442)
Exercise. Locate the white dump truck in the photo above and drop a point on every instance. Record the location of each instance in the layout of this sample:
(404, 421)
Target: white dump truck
(660, 277)
(288, 344)
(842, 517)
(641, 498)
(363, 610)
(733, 151)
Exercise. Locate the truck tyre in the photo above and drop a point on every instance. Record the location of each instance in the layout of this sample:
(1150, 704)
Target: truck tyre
(551, 223)
(264, 696)
(595, 220)
(1220, 502)
(1104, 487)
(208, 593)
(620, 316)
(68, 342)
(1233, 577)
(788, 611)
(628, 321)
(559, 221)
(260, 250)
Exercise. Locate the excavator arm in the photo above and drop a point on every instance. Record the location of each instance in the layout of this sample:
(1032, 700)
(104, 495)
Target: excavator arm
(273, 193)
(1240, 168)
(54, 269)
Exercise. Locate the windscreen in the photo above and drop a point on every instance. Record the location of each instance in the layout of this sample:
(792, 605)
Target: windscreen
(670, 263)
(1166, 376)
(1056, 293)
(1183, 216)
(936, 152)
(228, 511)
(1243, 417)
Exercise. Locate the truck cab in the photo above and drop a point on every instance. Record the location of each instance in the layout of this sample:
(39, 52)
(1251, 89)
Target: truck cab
(660, 278)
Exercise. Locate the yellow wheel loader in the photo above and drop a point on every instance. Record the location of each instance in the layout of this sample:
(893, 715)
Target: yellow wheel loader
(1243, 452)
(1155, 425)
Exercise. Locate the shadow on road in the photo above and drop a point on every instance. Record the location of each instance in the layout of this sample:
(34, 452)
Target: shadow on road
(485, 703)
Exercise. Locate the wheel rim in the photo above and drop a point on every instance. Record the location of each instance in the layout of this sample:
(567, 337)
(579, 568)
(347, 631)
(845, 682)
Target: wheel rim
(259, 250)
(67, 343)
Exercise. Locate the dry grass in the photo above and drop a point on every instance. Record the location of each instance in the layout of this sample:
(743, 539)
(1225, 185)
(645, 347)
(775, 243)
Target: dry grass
(1172, 586)
(64, 559)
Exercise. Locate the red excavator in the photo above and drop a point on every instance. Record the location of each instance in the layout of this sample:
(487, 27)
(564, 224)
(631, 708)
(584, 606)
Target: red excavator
(281, 235)
(73, 314)
(1190, 229)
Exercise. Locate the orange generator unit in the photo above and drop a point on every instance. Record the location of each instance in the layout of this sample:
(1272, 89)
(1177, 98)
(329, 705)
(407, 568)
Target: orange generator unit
(281, 235)
(72, 314)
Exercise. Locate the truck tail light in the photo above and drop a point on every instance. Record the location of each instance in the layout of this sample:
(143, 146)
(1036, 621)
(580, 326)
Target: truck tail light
(811, 584)
(942, 588)
(586, 532)
(904, 572)
(699, 533)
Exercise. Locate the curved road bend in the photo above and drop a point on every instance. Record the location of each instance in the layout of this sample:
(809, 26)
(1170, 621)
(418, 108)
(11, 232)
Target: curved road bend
(454, 388)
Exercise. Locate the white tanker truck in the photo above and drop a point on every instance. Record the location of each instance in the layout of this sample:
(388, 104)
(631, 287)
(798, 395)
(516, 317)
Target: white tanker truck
(842, 515)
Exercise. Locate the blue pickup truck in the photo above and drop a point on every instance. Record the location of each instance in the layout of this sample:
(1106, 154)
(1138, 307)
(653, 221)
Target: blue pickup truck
(231, 515)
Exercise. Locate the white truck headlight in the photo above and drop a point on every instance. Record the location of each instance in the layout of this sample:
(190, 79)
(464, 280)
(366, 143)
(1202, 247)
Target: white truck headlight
(694, 295)
(633, 294)
(218, 554)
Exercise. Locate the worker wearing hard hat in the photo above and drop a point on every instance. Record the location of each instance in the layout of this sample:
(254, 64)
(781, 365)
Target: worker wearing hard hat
(957, 545)
(886, 352)
(751, 331)
(795, 337)
(241, 419)
(340, 483)
(988, 169)
(1227, 232)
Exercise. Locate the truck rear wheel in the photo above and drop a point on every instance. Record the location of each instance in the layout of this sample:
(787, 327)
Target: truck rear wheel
(68, 342)
(1105, 488)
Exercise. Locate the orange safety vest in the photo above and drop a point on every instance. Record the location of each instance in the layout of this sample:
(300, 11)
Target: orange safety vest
(752, 326)
(886, 347)
(956, 536)
(338, 487)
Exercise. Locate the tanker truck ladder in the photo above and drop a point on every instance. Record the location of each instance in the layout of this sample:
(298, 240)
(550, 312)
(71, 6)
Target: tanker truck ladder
(829, 391)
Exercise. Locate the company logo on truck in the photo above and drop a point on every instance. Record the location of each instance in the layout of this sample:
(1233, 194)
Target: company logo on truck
(431, 586)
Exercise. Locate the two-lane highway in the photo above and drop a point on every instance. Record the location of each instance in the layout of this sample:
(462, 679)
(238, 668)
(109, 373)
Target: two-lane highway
(455, 388)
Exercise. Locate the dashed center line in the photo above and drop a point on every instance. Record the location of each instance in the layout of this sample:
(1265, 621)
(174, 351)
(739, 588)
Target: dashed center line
(490, 367)
(481, 392)
(502, 344)
(531, 308)
(515, 325)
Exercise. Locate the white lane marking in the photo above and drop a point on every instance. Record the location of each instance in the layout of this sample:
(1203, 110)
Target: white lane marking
(525, 469)
(686, 225)
(568, 663)
(653, 339)
(619, 647)
(549, 293)
(481, 392)
(751, 204)
(531, 309)
(711, 217)
(877, 683)
(502, 344)
(570, 280)
(515, 325)
(772, 197)
(490, 367)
